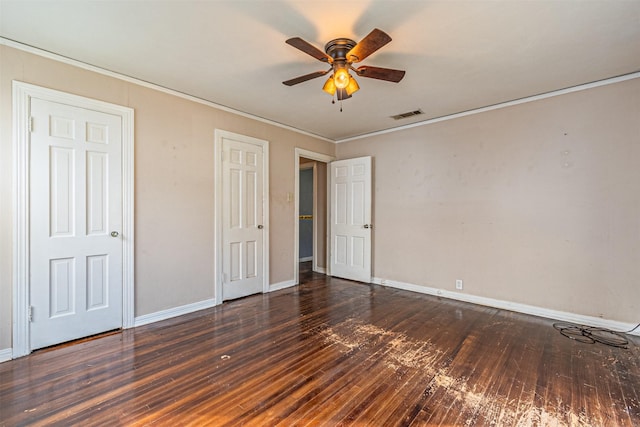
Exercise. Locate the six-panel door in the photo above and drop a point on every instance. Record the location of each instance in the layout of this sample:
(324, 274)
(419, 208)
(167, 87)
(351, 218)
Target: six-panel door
(242, 216)
(351, 219)
(75, 223)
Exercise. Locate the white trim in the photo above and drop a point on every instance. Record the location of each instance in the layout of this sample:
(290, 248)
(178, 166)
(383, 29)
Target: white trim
(169, 313)
(511, 306)
(20, 339)
(314, 257)
(5, 354)
(219, 134)
(129, 79)
(22, 94)
(524, 100)
(319, 157)
(282, 285)
(307, 258)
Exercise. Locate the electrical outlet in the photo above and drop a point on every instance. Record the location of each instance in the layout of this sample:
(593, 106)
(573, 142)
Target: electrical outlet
(459, 284)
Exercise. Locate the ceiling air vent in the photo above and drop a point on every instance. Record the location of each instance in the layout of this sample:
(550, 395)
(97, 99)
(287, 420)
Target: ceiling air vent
(408, 114)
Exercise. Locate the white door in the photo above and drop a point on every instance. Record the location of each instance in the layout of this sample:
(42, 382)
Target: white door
(351, 219)
(243, 227)
(75, 221)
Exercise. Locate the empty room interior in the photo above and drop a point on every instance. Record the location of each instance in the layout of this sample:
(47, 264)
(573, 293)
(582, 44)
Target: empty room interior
(302, 213)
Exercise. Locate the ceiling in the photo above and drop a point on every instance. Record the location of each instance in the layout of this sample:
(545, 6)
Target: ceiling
(459, 55)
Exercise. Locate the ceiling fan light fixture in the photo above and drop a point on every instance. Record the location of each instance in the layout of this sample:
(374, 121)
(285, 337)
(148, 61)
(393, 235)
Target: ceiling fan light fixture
(340, 54)
(341, 77)
(352, 87)
(330, 86)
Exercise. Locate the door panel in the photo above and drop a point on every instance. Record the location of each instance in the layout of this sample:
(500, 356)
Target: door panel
(351, 218)
(76, 202)
(242, 216)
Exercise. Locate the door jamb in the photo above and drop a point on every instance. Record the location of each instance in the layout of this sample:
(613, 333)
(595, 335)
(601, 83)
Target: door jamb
(311, 155)
(22, 94)
(219, 134)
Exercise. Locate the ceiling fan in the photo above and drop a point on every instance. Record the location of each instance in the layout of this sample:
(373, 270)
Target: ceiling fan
(341, 53)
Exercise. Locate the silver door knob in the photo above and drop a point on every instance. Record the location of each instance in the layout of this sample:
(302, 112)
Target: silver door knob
(114, 234)
(260, 227)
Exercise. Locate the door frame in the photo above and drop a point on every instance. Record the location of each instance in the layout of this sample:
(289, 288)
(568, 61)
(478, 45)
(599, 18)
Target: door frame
(319, 157)
(219, 134)
(22, 94)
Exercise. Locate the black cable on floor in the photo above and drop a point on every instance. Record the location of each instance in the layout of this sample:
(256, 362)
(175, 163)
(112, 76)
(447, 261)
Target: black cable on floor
(593, 334)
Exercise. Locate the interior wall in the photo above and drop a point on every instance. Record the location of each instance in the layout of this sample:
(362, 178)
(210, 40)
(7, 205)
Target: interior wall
(174, 182)
(320, 218)
(305, 203)
(537, 203)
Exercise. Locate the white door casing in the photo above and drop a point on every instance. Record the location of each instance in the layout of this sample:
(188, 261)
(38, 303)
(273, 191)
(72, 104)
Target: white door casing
(242, 215)
(351, 219)
(113, 261)
(76, 203)
(319, 157)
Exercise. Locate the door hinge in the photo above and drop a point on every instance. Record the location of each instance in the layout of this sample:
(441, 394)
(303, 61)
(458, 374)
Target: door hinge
(30, 313)
(30, 124)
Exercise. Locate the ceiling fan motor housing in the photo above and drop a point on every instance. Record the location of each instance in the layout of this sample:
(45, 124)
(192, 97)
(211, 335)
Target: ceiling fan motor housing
(338, 48)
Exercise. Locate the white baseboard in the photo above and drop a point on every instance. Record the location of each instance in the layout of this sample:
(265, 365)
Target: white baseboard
(512, 306)
(145, 319)
(173, 312)
(282, 285)
(321, 270)
(305, 259)
(6, 354)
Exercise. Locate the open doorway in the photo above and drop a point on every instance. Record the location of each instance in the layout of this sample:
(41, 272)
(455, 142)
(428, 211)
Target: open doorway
(306, 218)
(311, 212)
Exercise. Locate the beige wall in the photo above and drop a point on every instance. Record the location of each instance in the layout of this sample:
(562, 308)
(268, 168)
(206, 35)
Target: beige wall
(174, 181)
(536, 204)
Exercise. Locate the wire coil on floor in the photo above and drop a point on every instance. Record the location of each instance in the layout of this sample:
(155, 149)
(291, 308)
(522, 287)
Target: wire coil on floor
(593, 334)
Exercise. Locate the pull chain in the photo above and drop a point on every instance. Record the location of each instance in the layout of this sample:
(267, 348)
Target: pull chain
(333, 101)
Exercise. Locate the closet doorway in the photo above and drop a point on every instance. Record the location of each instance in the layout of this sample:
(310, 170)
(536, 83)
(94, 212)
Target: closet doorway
(311, 213)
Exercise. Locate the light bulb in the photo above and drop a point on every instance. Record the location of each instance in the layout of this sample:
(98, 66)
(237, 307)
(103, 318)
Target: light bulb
(341, 78)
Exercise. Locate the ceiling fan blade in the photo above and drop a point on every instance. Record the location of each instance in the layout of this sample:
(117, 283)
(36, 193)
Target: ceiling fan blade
(372, 42)
(309, 49)
(305, 78)
(381, 73)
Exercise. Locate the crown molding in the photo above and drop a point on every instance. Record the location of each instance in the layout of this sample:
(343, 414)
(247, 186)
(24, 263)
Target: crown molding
(571, 89)
(69, 61)
(56, 57)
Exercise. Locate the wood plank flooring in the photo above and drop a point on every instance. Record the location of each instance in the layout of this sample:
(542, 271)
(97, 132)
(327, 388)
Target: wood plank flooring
(329, 352)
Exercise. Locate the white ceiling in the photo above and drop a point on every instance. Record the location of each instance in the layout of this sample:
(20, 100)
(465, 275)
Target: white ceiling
(459, 55)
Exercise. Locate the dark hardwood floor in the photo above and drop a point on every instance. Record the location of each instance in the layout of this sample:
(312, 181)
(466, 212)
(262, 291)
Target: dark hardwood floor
(329, 352)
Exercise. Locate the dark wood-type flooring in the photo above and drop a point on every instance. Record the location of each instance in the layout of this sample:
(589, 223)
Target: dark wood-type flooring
(329, 352)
